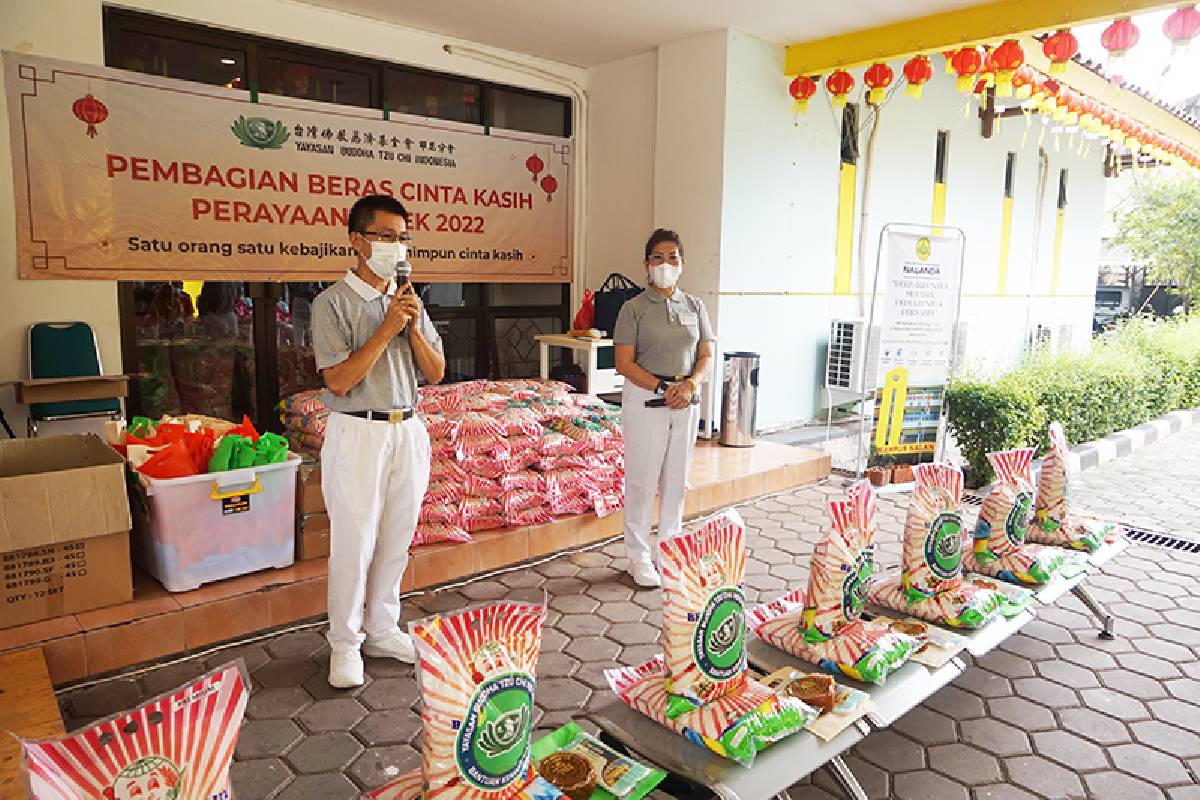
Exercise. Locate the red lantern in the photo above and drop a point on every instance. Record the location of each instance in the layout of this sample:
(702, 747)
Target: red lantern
(534, 165)
(949, 54)
(1022, 81)
(90, 110)
(839, 83)
(1181, 27)
(967, 62)
(1007, 59)
(1060, 48)
(1118, 38)
(802, 90)
(878, 78)
(549, 186)
(917, 71)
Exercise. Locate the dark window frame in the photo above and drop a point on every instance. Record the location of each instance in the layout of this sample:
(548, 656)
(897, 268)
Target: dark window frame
(941, 156)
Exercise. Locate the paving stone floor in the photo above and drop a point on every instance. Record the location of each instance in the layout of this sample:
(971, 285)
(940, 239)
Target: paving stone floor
(1053, 713)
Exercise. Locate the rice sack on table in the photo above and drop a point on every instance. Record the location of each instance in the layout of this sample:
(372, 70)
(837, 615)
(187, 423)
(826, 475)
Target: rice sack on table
(704, 612)
(823, 624)
(999, 548)
(1053, 520)
(930, 584)
(736, 726)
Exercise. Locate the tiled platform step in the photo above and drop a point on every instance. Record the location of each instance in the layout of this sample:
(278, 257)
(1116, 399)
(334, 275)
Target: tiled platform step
(157, 624)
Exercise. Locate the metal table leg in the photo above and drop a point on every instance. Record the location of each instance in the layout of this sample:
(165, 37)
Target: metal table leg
(1097, 609)
(845, 779)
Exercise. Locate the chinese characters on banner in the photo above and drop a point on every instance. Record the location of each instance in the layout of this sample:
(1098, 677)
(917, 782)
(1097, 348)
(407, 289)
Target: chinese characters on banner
(920, 305)
(120, 175)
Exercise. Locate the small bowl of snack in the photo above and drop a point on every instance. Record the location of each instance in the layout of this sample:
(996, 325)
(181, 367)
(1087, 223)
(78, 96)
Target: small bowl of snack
(571, 774)
(816, 690)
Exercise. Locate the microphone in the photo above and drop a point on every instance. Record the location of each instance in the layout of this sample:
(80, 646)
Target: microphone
(404, 271)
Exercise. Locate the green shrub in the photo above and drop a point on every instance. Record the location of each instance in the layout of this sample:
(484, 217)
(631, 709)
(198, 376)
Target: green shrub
(1142, 370)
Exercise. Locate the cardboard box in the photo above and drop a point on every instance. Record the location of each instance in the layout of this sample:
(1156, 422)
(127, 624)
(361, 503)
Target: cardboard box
(312, 536)
(64, 528)
(309, 499)
(87, 387)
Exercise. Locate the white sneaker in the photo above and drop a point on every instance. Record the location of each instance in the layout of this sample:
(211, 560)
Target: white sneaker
(398, 646)
(644, 574)
(345, 669)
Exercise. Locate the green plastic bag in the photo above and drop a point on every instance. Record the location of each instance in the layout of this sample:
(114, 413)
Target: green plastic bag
(232, 452)
(271, 448)
(141, 427)
(571, 734)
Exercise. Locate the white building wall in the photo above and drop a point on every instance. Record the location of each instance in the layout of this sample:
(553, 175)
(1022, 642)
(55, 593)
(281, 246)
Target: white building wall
(73, 29)
(781, 184)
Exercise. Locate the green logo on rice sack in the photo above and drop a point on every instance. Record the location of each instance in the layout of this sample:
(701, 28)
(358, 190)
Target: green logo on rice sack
(943, 545)
(1016, 526)
(492, 749)
(854, 587)
(718, 642)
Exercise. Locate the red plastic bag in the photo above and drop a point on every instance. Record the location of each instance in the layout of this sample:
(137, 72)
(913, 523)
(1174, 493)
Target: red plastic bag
(246, 428)
(586, 315)
(173, 461)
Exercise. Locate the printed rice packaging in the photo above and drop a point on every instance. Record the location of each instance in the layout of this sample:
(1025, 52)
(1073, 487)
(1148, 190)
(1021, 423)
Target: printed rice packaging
(736, 726)
(1000, 549)
(823, 624)
(177, 746)
(704, 612)
(1054, 523)
(476, 673)
(930, 584)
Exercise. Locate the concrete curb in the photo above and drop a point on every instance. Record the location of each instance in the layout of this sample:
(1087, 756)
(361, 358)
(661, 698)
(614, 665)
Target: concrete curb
(1122, 443)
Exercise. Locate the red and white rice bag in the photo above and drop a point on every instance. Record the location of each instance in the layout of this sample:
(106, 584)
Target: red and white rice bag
(519, 422)
(481, 514)
(446, 469)
(433, 532)
(477, 676)
(522, 479)
(933, 530)
(475, 486)
(1000, 549)
(440, 513)
(177, 746)
(704, 611)
(479, 434)
(1053, 520)
(842, 564)
(444, 491)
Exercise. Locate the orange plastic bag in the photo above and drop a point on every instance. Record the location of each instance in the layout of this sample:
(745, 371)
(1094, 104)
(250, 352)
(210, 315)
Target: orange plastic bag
(172, 461)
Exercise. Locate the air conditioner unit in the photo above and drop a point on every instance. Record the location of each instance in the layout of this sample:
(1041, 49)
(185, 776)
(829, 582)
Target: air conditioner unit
(844, 360)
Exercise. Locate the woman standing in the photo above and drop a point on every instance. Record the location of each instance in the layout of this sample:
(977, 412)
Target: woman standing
(663, 347)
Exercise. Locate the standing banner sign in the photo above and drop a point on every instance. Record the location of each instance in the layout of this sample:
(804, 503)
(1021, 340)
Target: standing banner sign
(126, 176)
(921, 274)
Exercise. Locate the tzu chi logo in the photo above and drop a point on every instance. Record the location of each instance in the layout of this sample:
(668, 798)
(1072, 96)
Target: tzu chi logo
(150, 778)
(260, 132)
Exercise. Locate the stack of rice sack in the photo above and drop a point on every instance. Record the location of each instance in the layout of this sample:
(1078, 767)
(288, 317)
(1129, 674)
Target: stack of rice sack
(1054, 523)
(930, 585)
(304, 417)
(700, 688)
(824, 624)
(515, 453)
(1000, 549)
(476, 674)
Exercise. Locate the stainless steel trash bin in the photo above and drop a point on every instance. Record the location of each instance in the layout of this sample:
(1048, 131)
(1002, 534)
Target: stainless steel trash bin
(739, 399)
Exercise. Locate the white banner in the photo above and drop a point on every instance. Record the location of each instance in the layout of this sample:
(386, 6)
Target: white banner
(120, 175)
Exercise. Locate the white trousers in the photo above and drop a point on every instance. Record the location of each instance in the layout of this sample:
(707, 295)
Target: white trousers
(374, 475)
(658, 452)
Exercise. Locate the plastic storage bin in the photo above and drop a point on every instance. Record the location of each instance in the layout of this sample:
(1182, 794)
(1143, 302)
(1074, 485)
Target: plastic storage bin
(191, 531)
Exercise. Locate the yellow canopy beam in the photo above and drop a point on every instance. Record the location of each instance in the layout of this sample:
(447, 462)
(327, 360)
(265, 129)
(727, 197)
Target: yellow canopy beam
(1131, 104)
(988, 22)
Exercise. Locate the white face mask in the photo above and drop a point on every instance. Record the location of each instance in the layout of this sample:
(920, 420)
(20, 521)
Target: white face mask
(384, 258)
(664, 276)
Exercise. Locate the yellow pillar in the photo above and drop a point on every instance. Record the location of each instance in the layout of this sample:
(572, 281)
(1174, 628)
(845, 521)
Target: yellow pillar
(844, 249)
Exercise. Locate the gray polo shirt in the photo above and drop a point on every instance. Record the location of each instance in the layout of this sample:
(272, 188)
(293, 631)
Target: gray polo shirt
(663, 331)
(344, 316)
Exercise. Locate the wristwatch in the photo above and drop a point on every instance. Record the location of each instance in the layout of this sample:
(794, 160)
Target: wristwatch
(661, 387)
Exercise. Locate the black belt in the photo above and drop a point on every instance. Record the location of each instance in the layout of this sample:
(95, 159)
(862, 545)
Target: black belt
(393, 416)
(670, 378)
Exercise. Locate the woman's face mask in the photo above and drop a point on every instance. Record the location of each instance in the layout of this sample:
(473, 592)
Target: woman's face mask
(665, 266)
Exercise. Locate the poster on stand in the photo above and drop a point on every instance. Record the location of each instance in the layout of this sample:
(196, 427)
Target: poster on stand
(125, 176)
(918, 292)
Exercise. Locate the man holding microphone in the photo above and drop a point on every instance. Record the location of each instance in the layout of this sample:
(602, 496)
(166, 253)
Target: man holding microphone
(370, 339)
